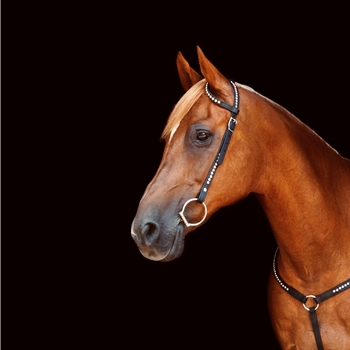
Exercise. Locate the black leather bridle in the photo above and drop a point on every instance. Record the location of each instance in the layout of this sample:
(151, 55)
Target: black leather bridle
(317, 298)
(204, 190)
(220, 154)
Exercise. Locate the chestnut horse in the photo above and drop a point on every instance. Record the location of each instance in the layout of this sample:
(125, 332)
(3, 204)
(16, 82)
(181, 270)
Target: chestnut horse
(302, 184)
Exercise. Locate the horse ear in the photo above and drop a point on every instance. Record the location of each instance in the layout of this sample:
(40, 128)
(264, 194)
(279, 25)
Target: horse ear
(219, 84)
(188, 76)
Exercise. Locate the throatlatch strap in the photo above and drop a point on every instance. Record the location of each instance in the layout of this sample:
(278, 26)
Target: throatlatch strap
(341, 287)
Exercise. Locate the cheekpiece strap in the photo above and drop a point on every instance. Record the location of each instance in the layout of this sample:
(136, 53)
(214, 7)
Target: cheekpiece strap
(225, 140)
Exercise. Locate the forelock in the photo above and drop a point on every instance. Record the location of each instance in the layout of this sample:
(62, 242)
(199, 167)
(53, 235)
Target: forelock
(182, 108)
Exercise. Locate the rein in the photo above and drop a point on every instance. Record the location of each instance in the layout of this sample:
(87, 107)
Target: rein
(220, 154)
(317, 298)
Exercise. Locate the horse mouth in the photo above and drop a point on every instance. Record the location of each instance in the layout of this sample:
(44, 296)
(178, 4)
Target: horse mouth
(176, 248)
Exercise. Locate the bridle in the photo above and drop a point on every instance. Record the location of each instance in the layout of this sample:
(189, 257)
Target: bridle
(220, 154)
(201, 197)
(317, 298)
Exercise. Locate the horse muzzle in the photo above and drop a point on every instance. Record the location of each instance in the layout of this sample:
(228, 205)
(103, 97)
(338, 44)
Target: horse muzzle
(156, 242)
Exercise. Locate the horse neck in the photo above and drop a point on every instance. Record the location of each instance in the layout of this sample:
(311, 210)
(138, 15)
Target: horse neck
(305, 193)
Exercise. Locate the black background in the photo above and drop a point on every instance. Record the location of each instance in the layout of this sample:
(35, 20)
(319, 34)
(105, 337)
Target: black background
(88, 91)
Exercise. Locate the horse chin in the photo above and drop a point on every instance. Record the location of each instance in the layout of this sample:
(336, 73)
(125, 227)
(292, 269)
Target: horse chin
(177, 248)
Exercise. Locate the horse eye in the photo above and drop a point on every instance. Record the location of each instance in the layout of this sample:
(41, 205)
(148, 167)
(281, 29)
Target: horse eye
(202, 136)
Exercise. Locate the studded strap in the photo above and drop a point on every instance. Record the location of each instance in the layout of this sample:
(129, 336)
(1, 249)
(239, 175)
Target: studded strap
(225, 140)
(341, 287)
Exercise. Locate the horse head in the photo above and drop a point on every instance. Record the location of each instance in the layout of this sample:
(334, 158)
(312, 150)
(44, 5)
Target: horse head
(170, 207)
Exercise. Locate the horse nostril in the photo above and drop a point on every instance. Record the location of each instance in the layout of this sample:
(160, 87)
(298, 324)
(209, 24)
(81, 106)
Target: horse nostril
(150, 232)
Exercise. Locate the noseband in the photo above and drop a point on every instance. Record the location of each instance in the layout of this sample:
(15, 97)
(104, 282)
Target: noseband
(220, 154)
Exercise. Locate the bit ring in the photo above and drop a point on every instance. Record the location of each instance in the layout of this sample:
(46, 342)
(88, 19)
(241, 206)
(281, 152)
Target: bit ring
(182, 213)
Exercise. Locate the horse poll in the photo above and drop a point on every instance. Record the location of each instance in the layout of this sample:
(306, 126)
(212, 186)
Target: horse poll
(223, 141)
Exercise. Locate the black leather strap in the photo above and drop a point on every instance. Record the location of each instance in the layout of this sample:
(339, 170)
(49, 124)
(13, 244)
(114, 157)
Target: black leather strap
(219, 158)
(333, 291)
(341, 287)
(316, 328)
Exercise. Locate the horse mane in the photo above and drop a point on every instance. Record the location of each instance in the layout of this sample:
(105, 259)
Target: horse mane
(182, 107)
(284, 111)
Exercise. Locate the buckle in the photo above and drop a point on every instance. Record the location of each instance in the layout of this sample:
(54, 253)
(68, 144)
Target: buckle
(229, 124)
